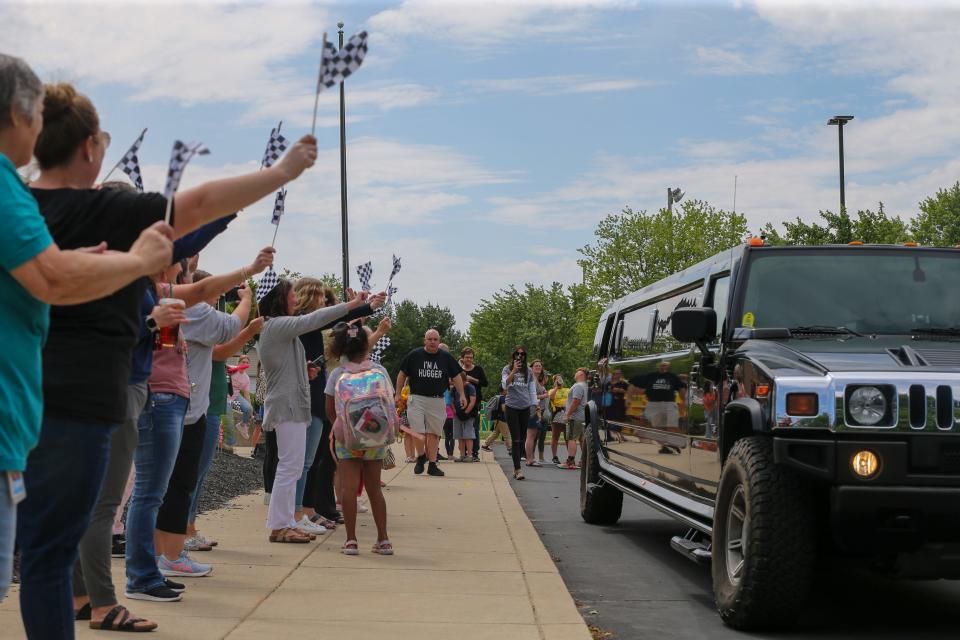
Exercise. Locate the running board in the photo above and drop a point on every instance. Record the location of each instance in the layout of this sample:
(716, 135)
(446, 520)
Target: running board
(693, 523)
(693, 545)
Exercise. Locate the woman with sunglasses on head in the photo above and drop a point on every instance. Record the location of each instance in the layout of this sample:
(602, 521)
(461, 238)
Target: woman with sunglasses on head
(520, 392)
(287, 392)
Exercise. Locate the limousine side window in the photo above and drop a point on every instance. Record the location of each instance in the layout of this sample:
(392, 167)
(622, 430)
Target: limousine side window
(663, 341)
(720, 300)
(637, 331)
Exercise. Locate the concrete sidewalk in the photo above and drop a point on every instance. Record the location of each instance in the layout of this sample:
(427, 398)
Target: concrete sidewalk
(468, 565)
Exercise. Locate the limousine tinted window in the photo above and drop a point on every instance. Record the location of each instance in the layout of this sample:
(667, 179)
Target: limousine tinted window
(663, 341)
(637, 331)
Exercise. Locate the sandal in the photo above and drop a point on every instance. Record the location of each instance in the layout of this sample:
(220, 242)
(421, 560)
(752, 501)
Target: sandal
(383, 548)
(83, 613)
(350, 548)
(110, 622)
(518, 475)
(289, 535)
(534, 463)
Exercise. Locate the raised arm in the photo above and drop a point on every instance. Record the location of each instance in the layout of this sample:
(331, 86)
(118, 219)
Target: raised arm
(207, 288)
(217, 198)
(72, 277)
(293, 326)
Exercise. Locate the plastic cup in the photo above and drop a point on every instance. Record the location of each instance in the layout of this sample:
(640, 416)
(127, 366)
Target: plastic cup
(169, 335)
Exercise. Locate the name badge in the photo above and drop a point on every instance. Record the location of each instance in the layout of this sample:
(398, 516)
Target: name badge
(18, 490)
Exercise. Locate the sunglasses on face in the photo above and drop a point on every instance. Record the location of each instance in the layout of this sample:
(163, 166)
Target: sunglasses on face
(520, 354)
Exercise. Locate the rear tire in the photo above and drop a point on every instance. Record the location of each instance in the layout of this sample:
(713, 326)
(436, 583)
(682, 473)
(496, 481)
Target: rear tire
(764, 539)
(599, 503)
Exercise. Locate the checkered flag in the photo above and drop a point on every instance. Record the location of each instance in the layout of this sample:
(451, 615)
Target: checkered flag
(275, 147)
(268, 281)
(278, 206)
(380, 348)
(338, 65)
(130, 163)
(365, 271)
(396, 267)
(181, 155)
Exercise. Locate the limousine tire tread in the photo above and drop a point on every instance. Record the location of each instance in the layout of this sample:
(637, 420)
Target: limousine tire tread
(778, 564)
(599, 503)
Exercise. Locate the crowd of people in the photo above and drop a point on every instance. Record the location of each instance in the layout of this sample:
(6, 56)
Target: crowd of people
(116, 376)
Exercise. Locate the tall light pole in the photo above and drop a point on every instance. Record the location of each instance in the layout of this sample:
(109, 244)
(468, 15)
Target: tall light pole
(840, 121)
(343, 183)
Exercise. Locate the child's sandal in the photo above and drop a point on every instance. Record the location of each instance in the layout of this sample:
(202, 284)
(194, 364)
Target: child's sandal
(350, 548)
(383, 548)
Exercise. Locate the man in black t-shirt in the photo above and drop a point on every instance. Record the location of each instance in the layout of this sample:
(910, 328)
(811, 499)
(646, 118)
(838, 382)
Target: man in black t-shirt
(661, 389)
(429, 371)
(617, 409)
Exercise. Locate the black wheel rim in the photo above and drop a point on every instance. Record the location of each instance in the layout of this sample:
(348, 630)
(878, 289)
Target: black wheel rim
(737, 530)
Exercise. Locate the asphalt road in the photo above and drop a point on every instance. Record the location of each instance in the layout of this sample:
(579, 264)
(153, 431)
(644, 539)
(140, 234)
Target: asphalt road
(627, 580)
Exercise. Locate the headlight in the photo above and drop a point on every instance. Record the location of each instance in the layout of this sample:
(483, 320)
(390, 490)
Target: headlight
(868, 405)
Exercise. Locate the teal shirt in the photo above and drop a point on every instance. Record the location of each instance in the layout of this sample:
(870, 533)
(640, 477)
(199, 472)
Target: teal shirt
(23, 321)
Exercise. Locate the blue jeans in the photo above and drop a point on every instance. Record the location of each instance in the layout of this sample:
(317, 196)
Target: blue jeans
(210, 439)
(245, 408)
(160, 428)
(314, 431)
(8, 532)
(63, 478)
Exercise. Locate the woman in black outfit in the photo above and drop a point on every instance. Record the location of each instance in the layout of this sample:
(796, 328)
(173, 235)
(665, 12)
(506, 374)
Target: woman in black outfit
(478, 378)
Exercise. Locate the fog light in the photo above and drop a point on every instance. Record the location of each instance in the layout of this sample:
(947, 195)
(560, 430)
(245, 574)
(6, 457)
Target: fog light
(865, 464)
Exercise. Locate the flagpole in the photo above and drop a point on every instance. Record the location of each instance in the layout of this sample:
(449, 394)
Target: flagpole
(316, 96)
(110, 173)
(343, 182)
(276, 228)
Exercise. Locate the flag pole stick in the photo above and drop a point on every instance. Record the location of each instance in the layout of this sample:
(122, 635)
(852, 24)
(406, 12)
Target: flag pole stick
(166, 216)
(110, 173)
(273, 243)
(316, 97)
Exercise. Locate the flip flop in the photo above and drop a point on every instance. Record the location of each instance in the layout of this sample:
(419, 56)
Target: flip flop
(125, 623)
(289, 536)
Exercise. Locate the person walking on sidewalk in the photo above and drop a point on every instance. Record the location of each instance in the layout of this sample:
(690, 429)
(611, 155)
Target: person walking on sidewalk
(558, 402)
(429, 371)
(478, 378)
(497, 417)
(464, 420)
(520, 389)
(575, 417)
(367, 384)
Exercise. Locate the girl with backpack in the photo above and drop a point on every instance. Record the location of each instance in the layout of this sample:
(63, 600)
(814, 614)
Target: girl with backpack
(360, 403)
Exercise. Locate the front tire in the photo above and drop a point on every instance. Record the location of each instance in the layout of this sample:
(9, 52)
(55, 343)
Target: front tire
(599, 503)
(764, 543)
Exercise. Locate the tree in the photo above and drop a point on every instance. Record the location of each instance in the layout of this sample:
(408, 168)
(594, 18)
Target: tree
(410, 322)
(636, 248)
(938, 223)
(870, 227)
(548, 321)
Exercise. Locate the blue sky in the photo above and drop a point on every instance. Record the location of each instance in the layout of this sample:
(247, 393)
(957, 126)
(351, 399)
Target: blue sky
(486, 140)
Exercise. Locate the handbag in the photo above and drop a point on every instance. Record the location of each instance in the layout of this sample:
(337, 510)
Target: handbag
(389, 461)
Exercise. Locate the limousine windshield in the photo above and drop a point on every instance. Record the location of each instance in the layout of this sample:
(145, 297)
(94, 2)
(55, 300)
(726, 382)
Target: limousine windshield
(869, 291)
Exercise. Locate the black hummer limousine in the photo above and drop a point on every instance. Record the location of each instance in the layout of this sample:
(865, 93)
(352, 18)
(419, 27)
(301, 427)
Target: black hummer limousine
(786, 404)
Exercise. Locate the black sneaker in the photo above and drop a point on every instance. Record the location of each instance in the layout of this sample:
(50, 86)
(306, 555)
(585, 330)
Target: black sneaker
(476, 458)
(157, 594)
(118, 546)
(440, 456)
(421, 463)
(434, 470)
(556, 461)
(176, 587)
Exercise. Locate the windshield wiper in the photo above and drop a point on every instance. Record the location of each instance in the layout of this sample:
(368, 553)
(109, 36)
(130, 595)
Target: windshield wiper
(936, 331)
(825, 330)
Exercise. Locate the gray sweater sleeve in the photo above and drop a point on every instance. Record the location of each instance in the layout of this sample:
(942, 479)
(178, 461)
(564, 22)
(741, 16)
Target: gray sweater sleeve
(293, 326)
(209, 327)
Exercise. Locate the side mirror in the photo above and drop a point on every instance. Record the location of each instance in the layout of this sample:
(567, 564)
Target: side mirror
(694, 324)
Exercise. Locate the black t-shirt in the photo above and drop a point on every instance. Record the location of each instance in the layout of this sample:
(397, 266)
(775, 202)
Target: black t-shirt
(659, 387)
(478, 373)
(87, 357)
(471, 392)
(618, 400)
(429, 373)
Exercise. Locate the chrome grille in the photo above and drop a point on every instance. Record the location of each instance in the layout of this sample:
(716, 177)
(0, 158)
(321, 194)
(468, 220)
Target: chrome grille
(931, 406)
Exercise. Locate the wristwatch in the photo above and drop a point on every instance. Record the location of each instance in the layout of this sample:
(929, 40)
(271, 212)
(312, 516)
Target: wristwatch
(151, 324)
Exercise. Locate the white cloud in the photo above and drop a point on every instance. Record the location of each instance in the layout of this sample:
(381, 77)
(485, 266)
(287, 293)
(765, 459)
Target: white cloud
(560, 85)
(730, 62)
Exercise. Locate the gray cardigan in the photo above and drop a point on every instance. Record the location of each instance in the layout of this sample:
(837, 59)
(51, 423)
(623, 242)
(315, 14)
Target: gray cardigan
(287, 395)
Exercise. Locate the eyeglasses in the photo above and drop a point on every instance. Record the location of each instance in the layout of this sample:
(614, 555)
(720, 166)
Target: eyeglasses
(522, 354)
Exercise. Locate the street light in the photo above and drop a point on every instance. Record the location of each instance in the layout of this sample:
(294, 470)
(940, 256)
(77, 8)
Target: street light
(840, 121)
(673, 195)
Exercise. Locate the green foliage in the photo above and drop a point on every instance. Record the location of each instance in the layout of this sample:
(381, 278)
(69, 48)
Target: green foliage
(410, 323)
(636, 248)
(938, 223)
(870, 227)
(548, 321)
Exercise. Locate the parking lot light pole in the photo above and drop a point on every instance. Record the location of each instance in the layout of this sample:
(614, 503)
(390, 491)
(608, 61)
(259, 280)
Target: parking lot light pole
(840, 121)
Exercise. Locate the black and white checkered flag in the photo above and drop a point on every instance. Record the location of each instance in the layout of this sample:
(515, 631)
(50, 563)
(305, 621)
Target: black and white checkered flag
(181, 155)
(275, 147)
(130, 163)
(278, 206)
(380, 348)
(396, 267)
(365, 271)
(338, 65)
(268, 281)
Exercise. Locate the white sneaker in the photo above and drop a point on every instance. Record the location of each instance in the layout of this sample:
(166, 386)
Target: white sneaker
(310, 527)
(362, 508)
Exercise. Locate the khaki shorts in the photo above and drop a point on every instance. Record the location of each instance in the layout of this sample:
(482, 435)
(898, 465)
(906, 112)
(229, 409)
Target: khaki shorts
(574, 430)
(427, 415)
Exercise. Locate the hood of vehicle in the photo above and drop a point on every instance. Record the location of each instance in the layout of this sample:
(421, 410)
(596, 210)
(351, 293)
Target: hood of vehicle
(799, 356)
